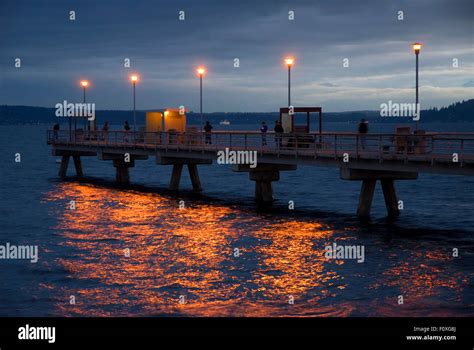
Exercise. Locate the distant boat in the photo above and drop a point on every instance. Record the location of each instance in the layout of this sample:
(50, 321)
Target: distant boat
(224, 122)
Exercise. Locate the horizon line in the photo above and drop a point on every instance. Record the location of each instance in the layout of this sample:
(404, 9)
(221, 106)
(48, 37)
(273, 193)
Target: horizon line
(192, 112)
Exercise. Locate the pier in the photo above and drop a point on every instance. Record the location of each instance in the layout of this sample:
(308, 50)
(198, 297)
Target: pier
(370, 158)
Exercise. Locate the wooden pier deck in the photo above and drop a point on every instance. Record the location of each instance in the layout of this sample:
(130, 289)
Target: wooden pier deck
(369, 158)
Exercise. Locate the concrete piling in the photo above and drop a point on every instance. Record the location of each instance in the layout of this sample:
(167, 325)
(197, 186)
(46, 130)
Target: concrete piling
(369, 179)
(176, 177)
(78, 166)
(178, 163)
(76, 156)
(194, 175)
(263, 175)
(122, 175)
(263, 184)
(63, 166)
(365, 198)
(390, 196)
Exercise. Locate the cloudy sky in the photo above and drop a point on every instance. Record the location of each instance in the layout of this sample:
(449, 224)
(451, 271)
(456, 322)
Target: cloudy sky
(56, 53)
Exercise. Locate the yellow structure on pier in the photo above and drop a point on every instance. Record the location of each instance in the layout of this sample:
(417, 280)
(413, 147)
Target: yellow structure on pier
(154, 124)
(169, 120)
(175, 120)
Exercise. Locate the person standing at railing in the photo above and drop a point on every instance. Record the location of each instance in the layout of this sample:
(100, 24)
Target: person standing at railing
(126, 128)
(105, 131)
(363, 130)
(208, 129)
(56, 131)
(263, 130)
(278, 133)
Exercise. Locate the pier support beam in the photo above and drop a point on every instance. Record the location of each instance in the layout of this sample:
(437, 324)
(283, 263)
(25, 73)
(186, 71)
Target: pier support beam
(176, 177)
(390, 196)
(178, 162)
(78, 166)
(263, 184)
(263, 175)
(63, 166)
(122, 163)
(122, 174)
(369, 179)
(365, 198)
(194, 175)
(76, 156)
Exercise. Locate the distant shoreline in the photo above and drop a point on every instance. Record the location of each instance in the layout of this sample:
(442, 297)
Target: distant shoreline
(456, 112)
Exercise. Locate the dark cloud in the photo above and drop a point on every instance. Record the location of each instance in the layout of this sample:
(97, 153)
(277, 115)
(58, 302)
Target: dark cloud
(56, 52)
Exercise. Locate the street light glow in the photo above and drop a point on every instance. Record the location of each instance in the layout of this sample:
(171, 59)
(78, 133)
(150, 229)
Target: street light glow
(289, 61)
(200, 71)
(134, 78)
(84, 83)
(417, 47)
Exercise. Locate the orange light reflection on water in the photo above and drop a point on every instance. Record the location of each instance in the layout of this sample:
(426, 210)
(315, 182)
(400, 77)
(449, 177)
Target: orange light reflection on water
(421, 285)
(177, 252)
(190, 252)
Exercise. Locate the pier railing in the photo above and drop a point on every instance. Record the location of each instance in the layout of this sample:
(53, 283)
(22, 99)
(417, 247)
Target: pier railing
(430, 146)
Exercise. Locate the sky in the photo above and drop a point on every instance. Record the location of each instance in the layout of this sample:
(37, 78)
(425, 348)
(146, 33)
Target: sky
(56, 53)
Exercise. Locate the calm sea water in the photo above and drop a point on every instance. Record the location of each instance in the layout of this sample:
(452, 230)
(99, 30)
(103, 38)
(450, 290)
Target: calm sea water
(189, 253)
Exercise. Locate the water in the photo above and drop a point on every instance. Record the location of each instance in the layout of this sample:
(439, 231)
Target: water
(189, 253)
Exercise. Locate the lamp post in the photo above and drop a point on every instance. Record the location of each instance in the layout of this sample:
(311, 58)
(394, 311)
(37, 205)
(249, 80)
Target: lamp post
(200, 71)
(84, 84)
(134, 79)
(417, 49)
(289, 62)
